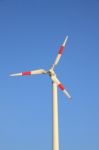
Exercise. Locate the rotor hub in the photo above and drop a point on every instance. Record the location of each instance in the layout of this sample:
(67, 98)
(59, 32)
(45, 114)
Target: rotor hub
(51, 72)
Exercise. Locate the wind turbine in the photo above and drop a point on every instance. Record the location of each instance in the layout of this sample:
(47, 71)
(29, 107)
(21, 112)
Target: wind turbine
(55, 83)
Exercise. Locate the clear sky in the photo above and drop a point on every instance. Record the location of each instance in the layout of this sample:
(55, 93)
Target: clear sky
(31, 32)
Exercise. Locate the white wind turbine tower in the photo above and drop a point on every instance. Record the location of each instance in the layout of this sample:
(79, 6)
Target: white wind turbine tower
(55, 83)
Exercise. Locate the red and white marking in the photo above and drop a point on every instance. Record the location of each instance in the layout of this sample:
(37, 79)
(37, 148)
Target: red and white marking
(26, 73)
(59, 84)
(40, 71)
(61, 87)
(21, 73)
(60, 51)
(64, 90)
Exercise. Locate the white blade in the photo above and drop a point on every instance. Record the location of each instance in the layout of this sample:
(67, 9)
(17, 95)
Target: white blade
(60, 53)
(54, 79)
(34, 72)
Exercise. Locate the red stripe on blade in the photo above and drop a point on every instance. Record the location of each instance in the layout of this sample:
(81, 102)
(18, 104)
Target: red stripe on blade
(61, 50)
(26, 73)
(61, 86)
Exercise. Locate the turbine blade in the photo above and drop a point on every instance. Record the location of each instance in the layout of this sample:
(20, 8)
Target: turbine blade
(60, 53)
(59, 84)
(33, 72)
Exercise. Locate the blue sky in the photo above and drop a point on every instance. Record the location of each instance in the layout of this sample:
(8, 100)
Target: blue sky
(31, 32)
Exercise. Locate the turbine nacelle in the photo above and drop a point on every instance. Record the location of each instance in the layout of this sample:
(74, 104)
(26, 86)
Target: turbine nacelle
(51, 72)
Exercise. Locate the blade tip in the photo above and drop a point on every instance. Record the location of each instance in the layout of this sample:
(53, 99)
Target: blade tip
(70, 98)
(12, 75)
(66, 36)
